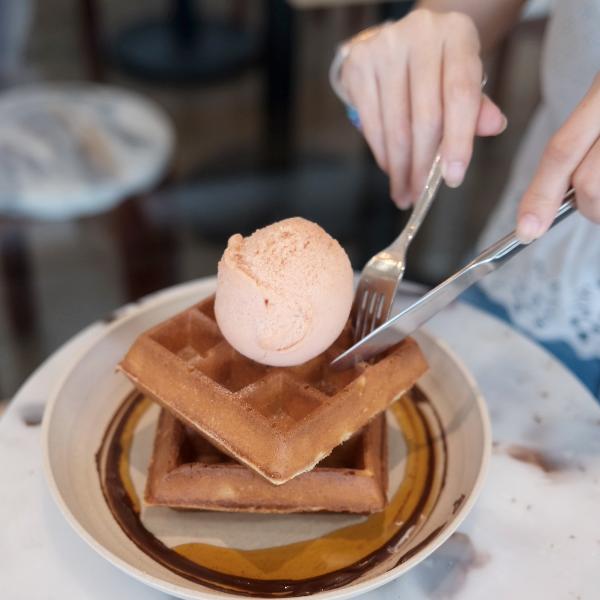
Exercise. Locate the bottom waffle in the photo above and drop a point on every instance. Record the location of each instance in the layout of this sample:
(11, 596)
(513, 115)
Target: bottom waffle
(188, 472)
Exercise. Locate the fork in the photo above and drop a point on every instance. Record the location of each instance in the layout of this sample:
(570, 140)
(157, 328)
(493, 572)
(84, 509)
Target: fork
(381, 276)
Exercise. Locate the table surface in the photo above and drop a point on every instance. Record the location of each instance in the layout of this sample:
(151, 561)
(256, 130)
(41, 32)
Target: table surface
(534, 532)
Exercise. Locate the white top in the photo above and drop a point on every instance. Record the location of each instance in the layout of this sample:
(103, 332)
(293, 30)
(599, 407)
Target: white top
(72, 149)
(533, 533)
(552, 289)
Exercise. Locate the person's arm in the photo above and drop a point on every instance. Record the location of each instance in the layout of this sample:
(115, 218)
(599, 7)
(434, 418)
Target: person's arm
(493, 18)
(416, 84)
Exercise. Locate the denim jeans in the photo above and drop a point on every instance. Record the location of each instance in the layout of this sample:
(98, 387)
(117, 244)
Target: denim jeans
(586, 370)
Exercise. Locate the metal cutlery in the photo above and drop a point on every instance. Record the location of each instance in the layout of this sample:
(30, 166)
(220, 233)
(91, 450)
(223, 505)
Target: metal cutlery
(381, 276)
(411, 318)
(383, 273)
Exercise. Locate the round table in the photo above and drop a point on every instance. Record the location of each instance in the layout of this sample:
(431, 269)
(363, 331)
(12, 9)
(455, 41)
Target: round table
(534, 532)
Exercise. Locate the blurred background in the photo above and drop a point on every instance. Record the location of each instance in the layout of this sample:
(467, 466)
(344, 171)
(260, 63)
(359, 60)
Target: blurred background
(136, 136)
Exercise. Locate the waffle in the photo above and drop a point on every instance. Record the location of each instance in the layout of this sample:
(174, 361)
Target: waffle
(187, 471)
(278, 421)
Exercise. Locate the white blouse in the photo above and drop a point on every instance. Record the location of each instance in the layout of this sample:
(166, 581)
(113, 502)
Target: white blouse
(552, 289)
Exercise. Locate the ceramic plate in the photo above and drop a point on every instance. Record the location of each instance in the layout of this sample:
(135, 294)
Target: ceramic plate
(438, 452)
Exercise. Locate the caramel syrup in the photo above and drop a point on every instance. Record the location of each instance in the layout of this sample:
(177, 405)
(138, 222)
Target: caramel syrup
(332, 560)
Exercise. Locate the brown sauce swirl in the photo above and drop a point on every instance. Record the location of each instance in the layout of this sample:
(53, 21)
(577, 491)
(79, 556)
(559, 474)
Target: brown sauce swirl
(220, 568)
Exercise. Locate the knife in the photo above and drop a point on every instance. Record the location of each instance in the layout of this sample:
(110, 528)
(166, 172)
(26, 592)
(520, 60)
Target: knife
(408, 320)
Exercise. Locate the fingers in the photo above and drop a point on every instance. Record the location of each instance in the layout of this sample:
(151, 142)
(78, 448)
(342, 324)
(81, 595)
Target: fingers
(461, 81)
(395, 110)
(360, 82)
(560, 163)
(424, 81)
(416, 84)
(491, 120)
(586, 182)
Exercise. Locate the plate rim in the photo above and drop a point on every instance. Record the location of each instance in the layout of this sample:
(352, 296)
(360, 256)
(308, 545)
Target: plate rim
(171, 294)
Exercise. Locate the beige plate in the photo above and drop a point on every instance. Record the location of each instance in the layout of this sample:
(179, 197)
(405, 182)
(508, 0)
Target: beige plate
(85, 399)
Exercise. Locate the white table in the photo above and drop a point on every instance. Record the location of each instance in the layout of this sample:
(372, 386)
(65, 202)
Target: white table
(534, 533)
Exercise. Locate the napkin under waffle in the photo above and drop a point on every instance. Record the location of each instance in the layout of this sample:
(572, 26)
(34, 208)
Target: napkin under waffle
(187, 471)
(279, 421)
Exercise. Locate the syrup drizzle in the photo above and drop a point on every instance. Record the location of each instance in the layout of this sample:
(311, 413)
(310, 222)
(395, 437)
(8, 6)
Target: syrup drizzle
(302, 568)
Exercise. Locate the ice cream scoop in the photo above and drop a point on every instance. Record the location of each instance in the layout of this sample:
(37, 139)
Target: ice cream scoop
(284, 293)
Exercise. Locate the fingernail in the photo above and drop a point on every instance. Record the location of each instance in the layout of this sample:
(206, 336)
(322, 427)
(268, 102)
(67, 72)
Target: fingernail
(402, 201)
(454, 173)
(528, 228)
(504, 124)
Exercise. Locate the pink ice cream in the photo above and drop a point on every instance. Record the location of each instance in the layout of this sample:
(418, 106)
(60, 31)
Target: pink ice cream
(284, 293)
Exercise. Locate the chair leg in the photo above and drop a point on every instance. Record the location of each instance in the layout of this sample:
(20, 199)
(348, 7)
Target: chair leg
(148, 251)
(16, 268)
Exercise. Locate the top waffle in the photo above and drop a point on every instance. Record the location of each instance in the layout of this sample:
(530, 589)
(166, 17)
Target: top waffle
(278, 421)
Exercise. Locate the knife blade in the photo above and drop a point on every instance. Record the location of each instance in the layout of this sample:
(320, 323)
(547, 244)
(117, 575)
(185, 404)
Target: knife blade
(410, 319)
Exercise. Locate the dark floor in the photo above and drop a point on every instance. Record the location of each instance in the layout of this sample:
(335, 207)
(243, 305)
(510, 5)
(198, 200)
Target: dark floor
(82, 270)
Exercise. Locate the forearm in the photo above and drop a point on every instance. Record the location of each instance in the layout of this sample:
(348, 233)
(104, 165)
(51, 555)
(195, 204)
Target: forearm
(493, 18)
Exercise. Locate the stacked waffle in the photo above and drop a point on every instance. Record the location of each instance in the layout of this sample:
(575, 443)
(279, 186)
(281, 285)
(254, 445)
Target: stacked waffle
(235, 435)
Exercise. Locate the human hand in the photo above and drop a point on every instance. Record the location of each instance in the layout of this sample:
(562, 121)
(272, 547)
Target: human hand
(572, 157)
(414, 83)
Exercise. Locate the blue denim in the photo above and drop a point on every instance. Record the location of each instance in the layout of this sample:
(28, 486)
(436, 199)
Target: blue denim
(587, 371)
